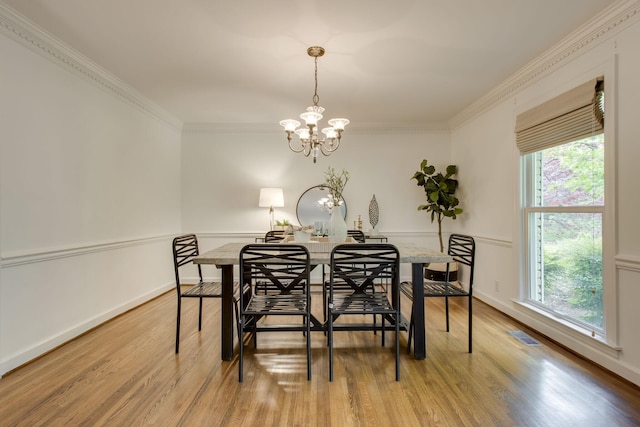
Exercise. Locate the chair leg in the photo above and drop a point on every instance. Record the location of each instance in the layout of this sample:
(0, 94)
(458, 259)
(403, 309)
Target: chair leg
(470, 324)
(200, 314)
(375, 321)
(410, 330)
(325, 308)
(375, 324)
(330, 340)
(178, 327)
(237, 313)
(255, 333)
(308, 320)
(446, 305)
(397, 346)
(240, 347)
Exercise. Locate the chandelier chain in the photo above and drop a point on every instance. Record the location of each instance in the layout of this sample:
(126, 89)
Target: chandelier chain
(316, 98)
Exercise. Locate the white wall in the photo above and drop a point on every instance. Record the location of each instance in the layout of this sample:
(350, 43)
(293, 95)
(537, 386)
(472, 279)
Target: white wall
(224, 171)
(483, 146)
(89, 199)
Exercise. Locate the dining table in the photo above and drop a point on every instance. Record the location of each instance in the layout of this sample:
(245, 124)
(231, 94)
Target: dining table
(227, 256)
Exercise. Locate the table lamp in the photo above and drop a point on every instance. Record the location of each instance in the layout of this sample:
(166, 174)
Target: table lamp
(271, 198)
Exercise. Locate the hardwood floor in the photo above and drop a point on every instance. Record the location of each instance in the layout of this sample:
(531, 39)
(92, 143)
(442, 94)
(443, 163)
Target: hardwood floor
(126, 373)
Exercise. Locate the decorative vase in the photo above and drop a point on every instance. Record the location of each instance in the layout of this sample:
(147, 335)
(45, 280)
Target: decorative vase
(337, 227)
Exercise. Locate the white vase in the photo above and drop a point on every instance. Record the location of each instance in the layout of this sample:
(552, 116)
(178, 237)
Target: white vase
(337, 227)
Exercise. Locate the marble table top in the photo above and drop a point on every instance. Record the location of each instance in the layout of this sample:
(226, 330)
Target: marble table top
(228, 254)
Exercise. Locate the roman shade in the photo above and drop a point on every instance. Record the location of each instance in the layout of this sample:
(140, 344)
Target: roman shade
(573, 115)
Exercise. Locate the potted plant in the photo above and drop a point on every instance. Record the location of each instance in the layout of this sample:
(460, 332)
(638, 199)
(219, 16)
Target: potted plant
(282, 224)
(440, 191)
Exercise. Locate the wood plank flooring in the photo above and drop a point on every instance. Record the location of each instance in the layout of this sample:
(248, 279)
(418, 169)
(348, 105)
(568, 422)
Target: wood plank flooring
(125, 373)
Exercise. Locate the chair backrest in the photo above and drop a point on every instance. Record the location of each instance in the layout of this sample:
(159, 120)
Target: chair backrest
(360, 265)
(358, 235)
(463, 250)
(185, 248)
(274, 236)
(281, 269)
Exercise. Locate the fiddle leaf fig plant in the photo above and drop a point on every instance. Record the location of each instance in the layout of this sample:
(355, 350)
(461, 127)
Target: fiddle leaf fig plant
(440, 191)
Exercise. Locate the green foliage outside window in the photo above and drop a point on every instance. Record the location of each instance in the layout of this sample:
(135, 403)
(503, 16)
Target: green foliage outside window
(571, 175)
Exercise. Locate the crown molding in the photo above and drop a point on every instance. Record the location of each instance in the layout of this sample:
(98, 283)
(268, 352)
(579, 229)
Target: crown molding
(18, 28)
(605, 25)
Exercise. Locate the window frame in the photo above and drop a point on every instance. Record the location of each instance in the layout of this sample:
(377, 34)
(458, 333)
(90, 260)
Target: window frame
(607, 339)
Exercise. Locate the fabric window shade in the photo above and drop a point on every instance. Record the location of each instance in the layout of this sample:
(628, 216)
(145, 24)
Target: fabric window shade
(573, 115)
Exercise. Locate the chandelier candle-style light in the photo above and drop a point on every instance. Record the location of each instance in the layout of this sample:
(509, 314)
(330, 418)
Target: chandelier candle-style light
(310, 142)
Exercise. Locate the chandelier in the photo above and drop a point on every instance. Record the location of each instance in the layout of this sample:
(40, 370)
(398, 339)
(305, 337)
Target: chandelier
(310, 142)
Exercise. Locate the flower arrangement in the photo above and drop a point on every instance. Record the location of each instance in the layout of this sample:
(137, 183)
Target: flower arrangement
(336, 183)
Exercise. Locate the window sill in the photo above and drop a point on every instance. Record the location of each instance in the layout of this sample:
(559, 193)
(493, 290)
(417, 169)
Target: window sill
(568, 330)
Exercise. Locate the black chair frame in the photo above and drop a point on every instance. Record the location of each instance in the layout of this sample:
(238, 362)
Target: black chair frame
(358, 266)
(463, 249)
(278, 281)
(357, 235)
(185, 248)
(274, 236)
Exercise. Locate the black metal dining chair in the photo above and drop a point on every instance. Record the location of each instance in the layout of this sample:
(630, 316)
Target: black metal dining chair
(185, 248)
(358, 267)
(274, 236)
(358, 236)
(278, 280)
(463, 250)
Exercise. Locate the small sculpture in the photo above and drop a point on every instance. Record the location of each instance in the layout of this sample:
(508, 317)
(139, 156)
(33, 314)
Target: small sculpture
(373, 212)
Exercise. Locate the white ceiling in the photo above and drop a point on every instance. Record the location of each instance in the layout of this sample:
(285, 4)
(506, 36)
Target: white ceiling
(244, 61)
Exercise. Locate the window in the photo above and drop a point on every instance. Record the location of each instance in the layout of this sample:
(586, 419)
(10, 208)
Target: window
(562, 146)
(564, 218)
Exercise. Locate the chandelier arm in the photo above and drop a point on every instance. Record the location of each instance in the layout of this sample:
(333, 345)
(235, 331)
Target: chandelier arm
(304, 145)
(308, 146)
(326, 150)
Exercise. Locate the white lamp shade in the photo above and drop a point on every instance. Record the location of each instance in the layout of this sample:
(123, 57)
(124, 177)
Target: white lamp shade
(271, 197)
(339, 124)
(303, 133)
(330, 132)
(289, 125)
(311, 117)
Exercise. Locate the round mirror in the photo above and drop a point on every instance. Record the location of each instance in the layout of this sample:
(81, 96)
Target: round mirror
(311, 210)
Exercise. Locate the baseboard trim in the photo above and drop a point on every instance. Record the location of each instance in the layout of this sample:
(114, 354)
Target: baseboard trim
(17, 360)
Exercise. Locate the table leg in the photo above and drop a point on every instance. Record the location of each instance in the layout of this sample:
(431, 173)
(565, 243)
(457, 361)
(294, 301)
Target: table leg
(419, 341)
(227, 320)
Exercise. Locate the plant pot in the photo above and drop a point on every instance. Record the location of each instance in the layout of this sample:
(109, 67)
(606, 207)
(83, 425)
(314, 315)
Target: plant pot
(438, 272)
